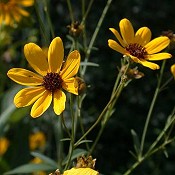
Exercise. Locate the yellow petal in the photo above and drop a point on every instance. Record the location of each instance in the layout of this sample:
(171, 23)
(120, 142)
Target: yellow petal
(28, 96)
(115, 46)
(158, 56)
(22, 12)
(126, 30)
(36, 58)
(42, 104)
(71, 65)
(150, 65)
(71, 85)
(173, 70)
(157, 44)
(142, 36)
(8, 18)
(24, 77)
(55, 55)
(117, 35)
(59, 100)
(82, 171)
(16, 14)
(26, 3)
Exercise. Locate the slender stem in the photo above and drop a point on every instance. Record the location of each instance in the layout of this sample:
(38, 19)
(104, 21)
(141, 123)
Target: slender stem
(134, 166)
(42, 26)
(70, 11)
(115, 95)
(48, 19)
(95, 34)
(72, 139)
(151, 108)
(87, 11)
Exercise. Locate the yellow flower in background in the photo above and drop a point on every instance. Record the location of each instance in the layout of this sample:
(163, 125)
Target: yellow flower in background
(82, 171)
(37, 140)
(173, 70)
(4, 144)
(139, 46)
(52, 76)
(12, 10)
(37, 160)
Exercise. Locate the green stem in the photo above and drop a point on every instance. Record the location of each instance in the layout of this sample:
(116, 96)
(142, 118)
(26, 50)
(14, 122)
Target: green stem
(70, 11)
(151, 108)
(48, 19)
(71, 146)
(87, 11)
(115, 95)
(95, 35)
(42, 26)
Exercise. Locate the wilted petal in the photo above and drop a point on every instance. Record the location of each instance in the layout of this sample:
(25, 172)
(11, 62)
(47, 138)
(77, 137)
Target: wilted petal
(71, 65)
(55, 55)
(28, 96)
(157, 44)
(42, 104)
(71, 85)
(115, 46)
(36, 58)
(126, 30)
(59, 100)
(24, 77)
(158, 56)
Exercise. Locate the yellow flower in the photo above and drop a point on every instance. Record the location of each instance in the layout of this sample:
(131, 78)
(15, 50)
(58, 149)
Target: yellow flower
(37, 160)
(52, 77)
(37, 140)
(11, 10)
(82, 171)
(173, 70)
(139, 46)
(4, 144)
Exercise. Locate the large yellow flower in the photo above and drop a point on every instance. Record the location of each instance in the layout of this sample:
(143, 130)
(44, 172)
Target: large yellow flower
(139, 46)
(173, 70)
(11, 10)
(52, 77)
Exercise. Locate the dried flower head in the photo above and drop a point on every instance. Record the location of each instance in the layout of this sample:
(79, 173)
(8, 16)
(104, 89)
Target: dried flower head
(75, 29)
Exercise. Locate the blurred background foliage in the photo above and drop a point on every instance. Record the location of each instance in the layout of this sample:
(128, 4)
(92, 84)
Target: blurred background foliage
(112, 151)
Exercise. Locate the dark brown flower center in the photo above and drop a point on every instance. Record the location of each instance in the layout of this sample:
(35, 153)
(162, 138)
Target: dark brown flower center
(52, 81)
(136, 50)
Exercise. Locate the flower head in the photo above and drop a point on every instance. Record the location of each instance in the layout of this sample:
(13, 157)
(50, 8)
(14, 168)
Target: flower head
(51, 78)
(11, 10)
(139, 46)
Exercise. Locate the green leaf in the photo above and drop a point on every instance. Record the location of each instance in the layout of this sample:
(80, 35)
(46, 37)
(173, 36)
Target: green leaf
(89, 64)
(136, 141)
(76, 153)
(45, 159)
(31, 167)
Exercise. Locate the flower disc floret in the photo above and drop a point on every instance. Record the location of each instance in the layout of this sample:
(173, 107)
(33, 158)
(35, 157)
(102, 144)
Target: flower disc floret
(52, 81)
(136, 50)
